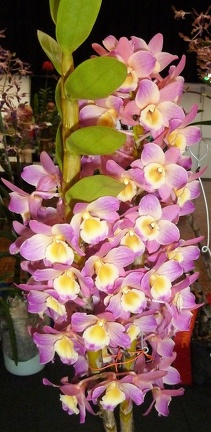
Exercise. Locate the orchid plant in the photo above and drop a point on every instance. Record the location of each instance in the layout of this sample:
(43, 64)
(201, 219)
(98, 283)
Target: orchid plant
(199, 40)
(100, 238)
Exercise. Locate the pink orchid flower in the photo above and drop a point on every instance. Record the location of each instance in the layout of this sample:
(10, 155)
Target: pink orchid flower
(115, 392)
(108, 264)
(124, 231)
(162, 399)
(174, 75)
(180, 134)
(130, 178)
(23, 203)
(24, 233)
(154, 223)
(127, 297)
(183, 302)
(190, 191)
(45, 177)
(63, 343)
(160, 170)
(159, 279)
(153, 108)
(74, 400)
(185, 252)
(29, 206)
(46, 302)
(155, 46)
(92, 222)
(52, 244)
(172, 376)
(101, 112)
(145, 321)
(67, 281)
(100, 330)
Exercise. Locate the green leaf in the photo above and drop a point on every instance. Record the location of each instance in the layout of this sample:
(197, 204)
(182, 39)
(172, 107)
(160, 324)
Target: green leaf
(95, 78)
(95, 140)
(58, 97)
(59, 147)
(90, 188)
(54, 4)
(75, 20)
(203, 122)
(51, 48)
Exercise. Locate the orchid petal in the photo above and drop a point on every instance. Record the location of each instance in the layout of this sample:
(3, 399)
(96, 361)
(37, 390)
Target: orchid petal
(112, 397)
(147, 93)
(168, 232)
(143, 63)
(96, 337)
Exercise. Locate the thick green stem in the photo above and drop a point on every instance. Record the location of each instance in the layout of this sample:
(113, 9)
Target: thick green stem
(95, 363)
(70, 122)
(126, 407)
(126, 416)
(109, 421)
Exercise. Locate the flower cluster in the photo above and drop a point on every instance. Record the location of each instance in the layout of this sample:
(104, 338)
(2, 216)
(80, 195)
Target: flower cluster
(199, 40)
(116, 278)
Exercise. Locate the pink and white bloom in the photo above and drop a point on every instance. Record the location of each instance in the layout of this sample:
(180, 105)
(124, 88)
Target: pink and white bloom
(101, 112)
(159, 279)
(52, 244)
(160, 170)
(46, 302)
(185, 252)
(67, 281)
(162, 398)
(92, 221)
(180, 134)
(115, 392)
(155, 46)
(127, 297)
(129, 177)
(29, 206)
(45, 177)
(63, 343)
(154, 223)
(153, 108)
(108, 264)
(100, 331)
(74, 400)
(187, 193)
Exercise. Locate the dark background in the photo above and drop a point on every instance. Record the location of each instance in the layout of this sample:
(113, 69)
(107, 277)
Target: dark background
(142, 18)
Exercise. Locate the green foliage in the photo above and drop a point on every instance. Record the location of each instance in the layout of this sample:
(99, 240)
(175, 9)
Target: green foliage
(40, 101)
(95, 140)
(95, 78)
(74, 21)
(59, 147)
(205, 123)
(91, 188)
(54, 4)
(58, 97)
(51, 48)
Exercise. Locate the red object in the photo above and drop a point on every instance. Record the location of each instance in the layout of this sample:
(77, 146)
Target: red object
(47, 66)
(183, 349)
